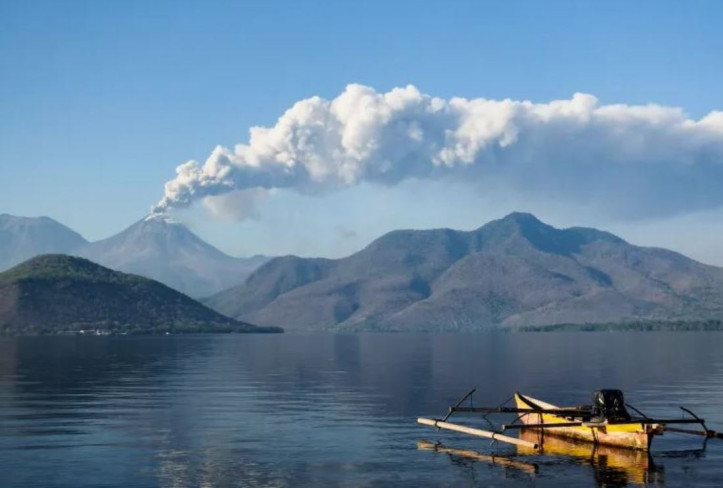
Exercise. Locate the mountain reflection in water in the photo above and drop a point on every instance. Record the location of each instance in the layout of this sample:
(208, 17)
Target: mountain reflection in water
(326, 410)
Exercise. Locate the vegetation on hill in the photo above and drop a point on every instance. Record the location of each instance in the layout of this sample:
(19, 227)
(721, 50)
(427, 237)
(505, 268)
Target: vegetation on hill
(54, 294)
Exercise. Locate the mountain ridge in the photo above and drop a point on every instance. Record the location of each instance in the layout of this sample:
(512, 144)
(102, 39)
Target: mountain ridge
(512, 271)
(24, 237)
(156, 247)
(168, 251)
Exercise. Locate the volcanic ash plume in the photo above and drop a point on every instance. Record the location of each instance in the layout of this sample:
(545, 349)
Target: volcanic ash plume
(655, 158)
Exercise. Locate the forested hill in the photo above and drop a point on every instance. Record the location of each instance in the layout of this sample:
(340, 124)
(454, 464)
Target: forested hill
(56, 293)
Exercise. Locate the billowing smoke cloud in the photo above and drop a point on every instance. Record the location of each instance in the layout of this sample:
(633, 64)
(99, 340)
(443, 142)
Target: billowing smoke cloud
(637, 160)
(236, 205)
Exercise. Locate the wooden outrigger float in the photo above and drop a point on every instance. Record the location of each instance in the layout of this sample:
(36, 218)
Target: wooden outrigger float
(502, 461)
(605, 422)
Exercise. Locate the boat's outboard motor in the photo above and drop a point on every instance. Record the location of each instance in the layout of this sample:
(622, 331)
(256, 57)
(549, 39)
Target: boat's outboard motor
(609, 405)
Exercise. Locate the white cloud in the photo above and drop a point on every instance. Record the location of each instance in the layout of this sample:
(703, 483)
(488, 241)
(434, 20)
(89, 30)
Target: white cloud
(236, 205)
(633, 161)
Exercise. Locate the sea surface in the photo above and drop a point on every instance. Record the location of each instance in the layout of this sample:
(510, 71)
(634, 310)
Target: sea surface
(339, 410)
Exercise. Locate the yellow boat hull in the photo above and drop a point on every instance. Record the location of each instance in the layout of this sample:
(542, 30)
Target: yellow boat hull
(629, 435)
(621, 465)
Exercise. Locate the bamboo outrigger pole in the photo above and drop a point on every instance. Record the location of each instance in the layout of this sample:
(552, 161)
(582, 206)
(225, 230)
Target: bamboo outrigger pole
(477, 432)
(707, 433)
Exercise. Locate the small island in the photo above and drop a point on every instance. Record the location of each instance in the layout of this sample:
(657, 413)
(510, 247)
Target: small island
(57, 294)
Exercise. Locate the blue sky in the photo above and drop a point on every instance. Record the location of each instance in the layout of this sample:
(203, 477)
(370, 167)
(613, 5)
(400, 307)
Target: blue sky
(102, 100)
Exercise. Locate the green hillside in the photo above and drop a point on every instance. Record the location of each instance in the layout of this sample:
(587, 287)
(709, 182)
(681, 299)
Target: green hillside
(55, 293)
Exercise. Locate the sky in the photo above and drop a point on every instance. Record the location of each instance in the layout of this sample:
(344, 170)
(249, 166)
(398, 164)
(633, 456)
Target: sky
(372, 116)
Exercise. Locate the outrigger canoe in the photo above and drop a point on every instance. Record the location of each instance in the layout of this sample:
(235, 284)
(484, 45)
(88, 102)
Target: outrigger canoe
(614, 429)
(605, 422)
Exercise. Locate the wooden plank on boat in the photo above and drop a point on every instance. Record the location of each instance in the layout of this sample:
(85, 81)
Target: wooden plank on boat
(543, 426)
(703, 433)
(661, 421)
(477, 432)
(560, 412)
(686, 431)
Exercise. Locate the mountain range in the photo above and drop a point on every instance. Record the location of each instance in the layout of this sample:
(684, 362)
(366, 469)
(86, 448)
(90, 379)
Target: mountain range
(160, 248)
(22, 238)
(55, 293)
(516, 271)
(155, 247)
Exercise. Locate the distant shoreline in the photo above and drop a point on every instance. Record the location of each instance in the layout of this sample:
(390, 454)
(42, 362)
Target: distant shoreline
(103, 333)
(637, 326)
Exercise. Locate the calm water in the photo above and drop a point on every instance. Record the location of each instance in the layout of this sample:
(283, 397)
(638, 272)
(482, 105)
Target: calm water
(324, 410)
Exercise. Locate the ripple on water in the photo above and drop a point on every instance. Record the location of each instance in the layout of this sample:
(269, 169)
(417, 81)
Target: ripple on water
(337, 411)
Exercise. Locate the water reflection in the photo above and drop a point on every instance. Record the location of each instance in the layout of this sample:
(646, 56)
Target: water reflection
(326, 410)
(611, 466)
(505, 462)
